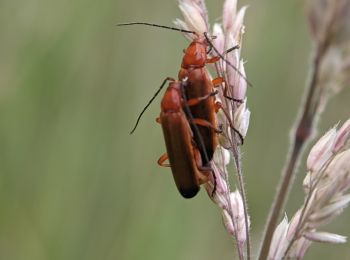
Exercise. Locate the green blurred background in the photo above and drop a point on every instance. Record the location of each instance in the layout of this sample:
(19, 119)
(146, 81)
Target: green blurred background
(75, 185)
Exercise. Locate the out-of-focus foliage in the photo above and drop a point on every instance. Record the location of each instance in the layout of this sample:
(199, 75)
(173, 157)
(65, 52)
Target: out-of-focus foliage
(75, 185)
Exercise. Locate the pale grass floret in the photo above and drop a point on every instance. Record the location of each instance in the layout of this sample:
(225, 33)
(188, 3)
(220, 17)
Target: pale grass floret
(328, 179)
(236, 28)
(334, 72)
(321, 151)
(320, 11)
(299, 248)
(326, 185)
(229, 13)
(222, 159)
(195, 16)
(233, 32)
(325, 237)
(235, 224)
(240, 92)
(279, 242)
(219, 41)
(343, 137)
(196, 19)
(329, 24)
(241, 118)
(230, 203)
(236, 84)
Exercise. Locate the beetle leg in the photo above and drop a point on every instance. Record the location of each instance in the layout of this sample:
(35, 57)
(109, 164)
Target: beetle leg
(202, 122)
(205, 168)
(162, 159)
(217, 58)
(218, 81)
(158, 120)
(210, 49)
(213, 59)
(231, 49)
(232, 98)
(196, 101)
(219, 106)
(204, 172)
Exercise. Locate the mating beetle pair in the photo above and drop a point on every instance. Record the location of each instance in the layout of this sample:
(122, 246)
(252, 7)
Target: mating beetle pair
(188, 117)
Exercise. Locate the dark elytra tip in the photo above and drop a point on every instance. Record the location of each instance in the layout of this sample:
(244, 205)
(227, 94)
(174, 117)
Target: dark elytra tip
(189, 193)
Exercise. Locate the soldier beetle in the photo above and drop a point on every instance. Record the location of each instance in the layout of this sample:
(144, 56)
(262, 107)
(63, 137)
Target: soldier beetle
(193, 68)
(190, 135)
(182, 150)
(199, 84)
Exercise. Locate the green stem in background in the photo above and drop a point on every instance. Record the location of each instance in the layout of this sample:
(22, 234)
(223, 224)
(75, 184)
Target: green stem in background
(244, 198)
(305, 127)
(304, 130)
(239, 175)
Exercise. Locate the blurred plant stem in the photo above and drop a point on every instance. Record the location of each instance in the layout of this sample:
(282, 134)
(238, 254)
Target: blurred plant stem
(301, 134)
(240, 181)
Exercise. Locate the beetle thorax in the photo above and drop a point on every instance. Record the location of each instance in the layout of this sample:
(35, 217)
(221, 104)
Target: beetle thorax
(195, 55)
(171, 101)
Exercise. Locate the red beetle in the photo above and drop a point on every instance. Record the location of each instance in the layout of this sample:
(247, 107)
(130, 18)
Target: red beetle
(182, 151)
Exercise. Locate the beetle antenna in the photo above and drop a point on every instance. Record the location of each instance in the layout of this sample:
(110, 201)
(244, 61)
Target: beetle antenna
(149, 103)
(157, 25)
(223, 58)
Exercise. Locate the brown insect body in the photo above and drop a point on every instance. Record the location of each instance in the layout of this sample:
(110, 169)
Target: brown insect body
(195, 54)
(182, 152)
(188, 116)
(199, 84)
